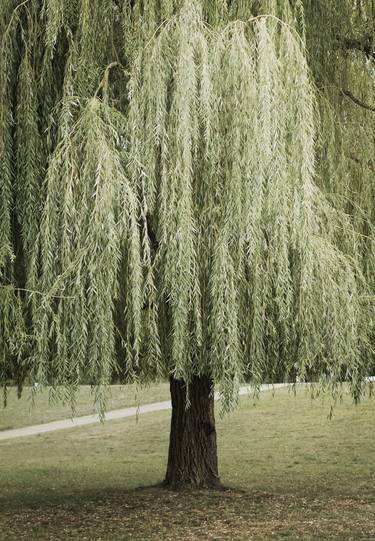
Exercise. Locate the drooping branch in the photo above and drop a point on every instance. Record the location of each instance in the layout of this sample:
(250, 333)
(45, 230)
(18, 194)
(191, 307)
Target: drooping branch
(356, 100)
(103, 85)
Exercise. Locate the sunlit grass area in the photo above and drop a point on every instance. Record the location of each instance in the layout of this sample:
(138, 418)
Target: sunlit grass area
(292, 474)
(42, 406)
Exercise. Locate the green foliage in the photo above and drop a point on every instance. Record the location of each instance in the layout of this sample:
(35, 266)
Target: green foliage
(89, 220)
(28, 196)
(181, 195)
(13, 338)
(8, 67)
(345, 83)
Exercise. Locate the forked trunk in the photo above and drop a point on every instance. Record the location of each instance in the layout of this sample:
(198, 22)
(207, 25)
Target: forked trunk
(192, 459)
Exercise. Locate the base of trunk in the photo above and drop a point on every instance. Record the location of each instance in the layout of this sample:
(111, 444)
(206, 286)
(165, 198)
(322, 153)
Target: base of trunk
(192, 458)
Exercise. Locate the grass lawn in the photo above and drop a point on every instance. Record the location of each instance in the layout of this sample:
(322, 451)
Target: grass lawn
(293, 474)
(22, 412)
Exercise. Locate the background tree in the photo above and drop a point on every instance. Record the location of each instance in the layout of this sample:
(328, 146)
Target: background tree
(186, 192)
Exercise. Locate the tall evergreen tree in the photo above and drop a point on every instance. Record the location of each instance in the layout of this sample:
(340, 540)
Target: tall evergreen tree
(187, 191)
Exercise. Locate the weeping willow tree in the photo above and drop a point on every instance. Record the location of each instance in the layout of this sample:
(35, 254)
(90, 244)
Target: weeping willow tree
(186, 192)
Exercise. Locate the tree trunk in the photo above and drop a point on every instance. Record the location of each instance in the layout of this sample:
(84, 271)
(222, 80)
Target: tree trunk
(192, 459)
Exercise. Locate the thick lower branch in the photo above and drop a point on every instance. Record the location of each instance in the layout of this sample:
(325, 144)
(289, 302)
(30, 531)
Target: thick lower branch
(357, 101)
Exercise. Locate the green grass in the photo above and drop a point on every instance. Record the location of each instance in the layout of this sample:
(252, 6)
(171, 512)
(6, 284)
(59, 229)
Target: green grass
(22, 412)
(293, 474)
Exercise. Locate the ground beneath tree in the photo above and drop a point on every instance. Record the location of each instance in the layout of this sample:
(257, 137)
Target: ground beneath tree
(156, 514)
(295, 474)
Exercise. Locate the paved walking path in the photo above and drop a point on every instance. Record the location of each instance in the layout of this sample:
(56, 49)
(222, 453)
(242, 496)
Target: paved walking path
(109, 416)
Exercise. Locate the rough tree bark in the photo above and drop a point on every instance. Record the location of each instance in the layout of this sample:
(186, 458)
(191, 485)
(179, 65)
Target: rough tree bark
(192, 459)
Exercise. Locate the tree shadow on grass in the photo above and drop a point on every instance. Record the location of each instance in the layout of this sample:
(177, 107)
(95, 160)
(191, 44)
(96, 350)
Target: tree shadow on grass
(155, 513)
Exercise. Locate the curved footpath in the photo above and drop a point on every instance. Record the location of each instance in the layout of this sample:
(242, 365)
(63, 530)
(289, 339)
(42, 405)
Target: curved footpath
(109, 416)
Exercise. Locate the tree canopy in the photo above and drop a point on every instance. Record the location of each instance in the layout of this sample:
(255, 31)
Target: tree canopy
(186, 188)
